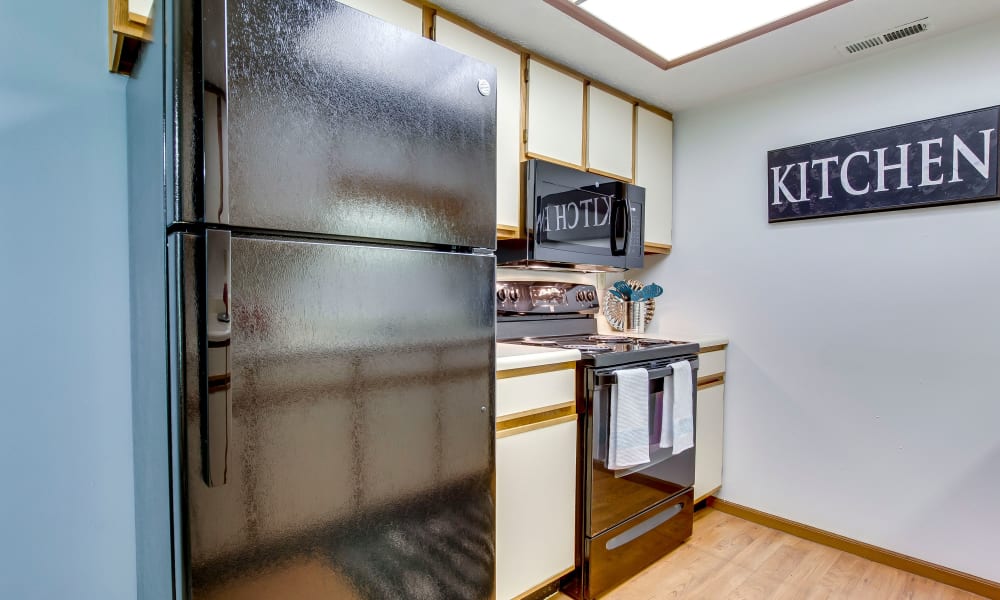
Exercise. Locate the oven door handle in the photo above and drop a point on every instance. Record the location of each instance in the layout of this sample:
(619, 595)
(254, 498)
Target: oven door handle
(611, 378)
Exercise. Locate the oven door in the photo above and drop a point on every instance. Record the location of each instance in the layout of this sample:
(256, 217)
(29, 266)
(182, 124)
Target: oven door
(613, 496)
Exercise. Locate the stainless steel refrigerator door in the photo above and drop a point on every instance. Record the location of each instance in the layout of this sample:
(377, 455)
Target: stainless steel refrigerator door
(348, 451)
(316, 117)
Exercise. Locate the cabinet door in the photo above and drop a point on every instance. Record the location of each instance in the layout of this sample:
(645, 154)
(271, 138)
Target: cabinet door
(555, 115)
(508, 94)
(708, 432)
(609, 134)
(399, 13)
(536, 507)
(654, 168)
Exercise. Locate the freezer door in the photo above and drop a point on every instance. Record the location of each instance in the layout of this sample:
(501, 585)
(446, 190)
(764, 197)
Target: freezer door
(319, 118)
(336, 410)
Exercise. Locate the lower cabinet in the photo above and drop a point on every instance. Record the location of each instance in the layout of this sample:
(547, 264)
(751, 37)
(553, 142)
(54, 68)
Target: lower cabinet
(536, 504)
(708, 437)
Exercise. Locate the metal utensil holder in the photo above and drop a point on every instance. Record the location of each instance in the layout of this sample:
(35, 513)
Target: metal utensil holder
(635, 317)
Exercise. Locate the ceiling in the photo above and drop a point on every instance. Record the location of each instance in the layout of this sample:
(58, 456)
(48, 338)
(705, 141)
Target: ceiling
(802, 47)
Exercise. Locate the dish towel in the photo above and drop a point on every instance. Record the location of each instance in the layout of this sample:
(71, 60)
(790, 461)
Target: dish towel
(628, 433)
(666, 409)
(683, 407)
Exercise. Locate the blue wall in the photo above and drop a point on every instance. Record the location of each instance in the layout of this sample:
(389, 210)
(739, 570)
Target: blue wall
(66, 492)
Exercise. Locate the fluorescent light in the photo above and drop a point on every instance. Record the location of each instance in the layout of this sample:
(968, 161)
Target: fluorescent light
(676, 28)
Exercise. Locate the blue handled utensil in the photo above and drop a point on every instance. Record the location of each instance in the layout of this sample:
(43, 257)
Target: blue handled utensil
(650, 291)
(624, 289)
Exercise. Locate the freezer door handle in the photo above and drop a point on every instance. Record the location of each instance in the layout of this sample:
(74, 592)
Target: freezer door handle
(216, 392)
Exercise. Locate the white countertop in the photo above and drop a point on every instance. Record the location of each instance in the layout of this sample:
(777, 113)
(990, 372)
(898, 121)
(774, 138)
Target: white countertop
(681, 334)
(514, 356)
(705, 340)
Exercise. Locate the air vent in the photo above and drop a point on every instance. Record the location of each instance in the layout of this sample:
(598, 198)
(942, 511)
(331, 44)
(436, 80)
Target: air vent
(887, 37)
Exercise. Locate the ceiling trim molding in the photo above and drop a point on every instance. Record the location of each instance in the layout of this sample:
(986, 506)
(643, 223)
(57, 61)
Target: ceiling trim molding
(584, 17)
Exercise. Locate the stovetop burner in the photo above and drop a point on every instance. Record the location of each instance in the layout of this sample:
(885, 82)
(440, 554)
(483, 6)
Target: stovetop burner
(587, 347)
(620, 339)
(612, 349)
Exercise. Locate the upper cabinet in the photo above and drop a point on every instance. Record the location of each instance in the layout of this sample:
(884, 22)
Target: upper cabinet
(399, 13)
(609, 134)
(508, 95)
(654, 171)
(555, 115)
(130, 25)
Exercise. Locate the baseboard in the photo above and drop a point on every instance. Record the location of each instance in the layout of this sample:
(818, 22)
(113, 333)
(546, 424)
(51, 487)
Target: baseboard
(965, 581)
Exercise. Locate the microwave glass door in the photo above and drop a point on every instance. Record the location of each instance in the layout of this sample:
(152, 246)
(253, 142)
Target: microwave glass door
(590, 220)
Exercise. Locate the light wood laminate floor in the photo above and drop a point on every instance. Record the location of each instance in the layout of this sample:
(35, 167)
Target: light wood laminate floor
(728, 557)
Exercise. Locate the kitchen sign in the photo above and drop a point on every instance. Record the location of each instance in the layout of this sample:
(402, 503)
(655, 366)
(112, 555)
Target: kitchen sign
(938, 161)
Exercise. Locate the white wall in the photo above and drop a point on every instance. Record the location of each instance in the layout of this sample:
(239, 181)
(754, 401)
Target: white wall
(66, 499)
(860, 396)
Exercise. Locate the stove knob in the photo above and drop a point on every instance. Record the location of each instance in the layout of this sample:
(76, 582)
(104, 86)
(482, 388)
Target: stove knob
(581, 296)
(502, 294)
(591, 295)
(514, 295)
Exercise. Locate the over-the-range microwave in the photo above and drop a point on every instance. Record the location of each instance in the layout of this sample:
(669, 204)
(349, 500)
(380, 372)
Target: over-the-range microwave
(576, 220)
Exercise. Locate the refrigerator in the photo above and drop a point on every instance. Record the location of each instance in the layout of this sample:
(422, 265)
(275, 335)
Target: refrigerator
(312, 212)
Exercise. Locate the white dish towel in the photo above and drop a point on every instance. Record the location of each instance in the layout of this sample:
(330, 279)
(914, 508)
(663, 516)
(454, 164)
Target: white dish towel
(682, 409)
(628, 431)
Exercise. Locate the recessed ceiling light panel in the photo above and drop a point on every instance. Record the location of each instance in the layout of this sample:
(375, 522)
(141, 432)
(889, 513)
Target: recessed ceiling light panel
(676, 31)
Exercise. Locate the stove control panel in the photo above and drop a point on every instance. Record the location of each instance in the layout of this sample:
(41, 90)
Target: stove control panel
(545, 297)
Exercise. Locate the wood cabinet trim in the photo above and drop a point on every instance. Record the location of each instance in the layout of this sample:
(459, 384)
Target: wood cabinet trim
(635, 141)
(666, 114)
(127, 32)
(535, 370)
(540, 424)
(707, 349)
(558, 67)
(140, 20)
(554, 160)
(711, 381)
(470, 26)
(607, 89)
(585, 151)
(654, 248)
(443, 13)
(507, 232)
(429, 22)
(547, 582)
(536, 415)
(708, 494)
(524, 108)
(611, 175)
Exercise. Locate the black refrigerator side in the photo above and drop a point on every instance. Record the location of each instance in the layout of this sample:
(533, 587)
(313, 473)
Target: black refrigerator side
(149, 109)
(335, 409)
(317, 118)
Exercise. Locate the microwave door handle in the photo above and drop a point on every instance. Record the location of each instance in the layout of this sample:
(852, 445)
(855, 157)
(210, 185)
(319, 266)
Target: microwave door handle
(617, 208)
(628, 226)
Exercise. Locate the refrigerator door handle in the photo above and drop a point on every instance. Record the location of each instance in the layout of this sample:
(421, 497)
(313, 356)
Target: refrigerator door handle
(216, 392)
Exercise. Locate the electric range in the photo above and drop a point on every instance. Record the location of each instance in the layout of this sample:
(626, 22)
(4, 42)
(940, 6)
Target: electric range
(561, 315)
(626, 519)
